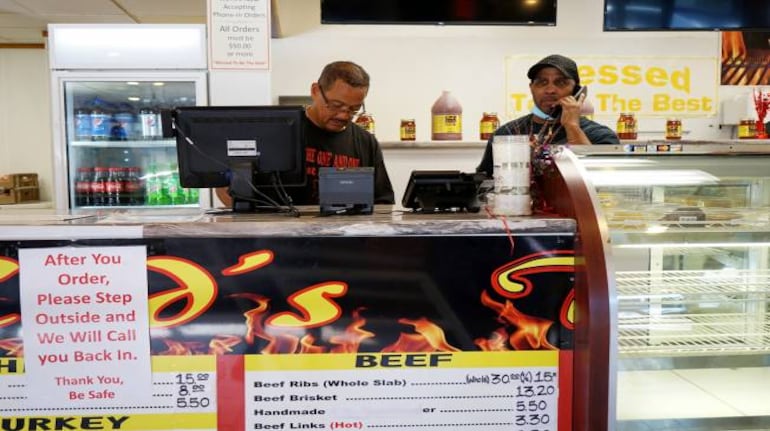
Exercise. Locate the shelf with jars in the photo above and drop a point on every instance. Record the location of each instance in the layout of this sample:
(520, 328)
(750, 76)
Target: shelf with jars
(432, 144)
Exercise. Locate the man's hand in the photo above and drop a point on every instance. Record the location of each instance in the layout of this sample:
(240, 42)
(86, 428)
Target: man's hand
(570, 110)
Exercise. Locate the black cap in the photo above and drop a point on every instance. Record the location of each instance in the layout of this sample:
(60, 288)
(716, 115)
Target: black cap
(565, 65)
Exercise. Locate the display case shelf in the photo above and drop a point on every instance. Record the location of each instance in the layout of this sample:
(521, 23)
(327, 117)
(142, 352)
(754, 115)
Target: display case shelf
(160, 143)
(646, 284)
(693, 335)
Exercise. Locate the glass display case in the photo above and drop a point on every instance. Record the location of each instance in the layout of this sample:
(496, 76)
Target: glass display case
(689, 227)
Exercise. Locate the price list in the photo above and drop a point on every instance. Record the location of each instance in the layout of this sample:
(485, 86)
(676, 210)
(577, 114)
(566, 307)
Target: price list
(183, 397)
(458, 390)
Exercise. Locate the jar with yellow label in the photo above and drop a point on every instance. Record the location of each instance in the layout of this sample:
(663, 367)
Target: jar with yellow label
(620, 127)
(408, 129)
(673, 128)
(747, 129)
(489, 123)
(626, 126)
(366, 121)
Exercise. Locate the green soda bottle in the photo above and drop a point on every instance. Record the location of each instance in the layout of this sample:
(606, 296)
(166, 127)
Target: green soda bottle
(175, 192)
(152, 186)
(164, 180)
(191, 196)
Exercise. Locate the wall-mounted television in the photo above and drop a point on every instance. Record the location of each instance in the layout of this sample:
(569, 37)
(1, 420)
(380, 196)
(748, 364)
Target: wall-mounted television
(704, 15)
(449, 12)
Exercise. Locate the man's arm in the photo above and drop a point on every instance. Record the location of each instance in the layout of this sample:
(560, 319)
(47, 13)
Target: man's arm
(383, 190)
(224, 196)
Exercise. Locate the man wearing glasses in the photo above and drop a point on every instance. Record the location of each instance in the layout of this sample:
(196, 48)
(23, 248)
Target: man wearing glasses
(555, 118)
(332, 138)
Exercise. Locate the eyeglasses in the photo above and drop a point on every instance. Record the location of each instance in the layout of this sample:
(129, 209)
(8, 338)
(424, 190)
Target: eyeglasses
(558, 82)
(341, 108)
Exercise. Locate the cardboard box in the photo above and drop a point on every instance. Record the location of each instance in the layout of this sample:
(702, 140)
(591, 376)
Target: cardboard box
(13, 181)
(16, 188)
(22, 194)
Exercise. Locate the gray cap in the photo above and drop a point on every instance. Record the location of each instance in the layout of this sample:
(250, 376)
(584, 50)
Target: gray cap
(565, 65)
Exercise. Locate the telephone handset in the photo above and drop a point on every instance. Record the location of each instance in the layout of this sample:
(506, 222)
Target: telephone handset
(576, 92)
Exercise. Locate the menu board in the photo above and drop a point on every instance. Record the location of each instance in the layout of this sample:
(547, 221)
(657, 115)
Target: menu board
(407, 333)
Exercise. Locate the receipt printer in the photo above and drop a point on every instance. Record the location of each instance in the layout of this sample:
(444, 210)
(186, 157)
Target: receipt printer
(346, 190)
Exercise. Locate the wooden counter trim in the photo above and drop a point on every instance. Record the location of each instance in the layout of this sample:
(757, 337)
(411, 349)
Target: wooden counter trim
(566, 189)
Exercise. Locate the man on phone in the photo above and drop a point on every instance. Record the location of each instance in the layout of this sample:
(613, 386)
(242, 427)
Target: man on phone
(555, 118)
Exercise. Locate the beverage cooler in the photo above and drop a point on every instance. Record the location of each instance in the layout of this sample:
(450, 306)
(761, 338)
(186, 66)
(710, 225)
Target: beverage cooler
(110, 84)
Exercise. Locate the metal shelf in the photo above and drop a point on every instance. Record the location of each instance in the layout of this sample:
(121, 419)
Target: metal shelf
(693, 335)
(645, 283)
(661, 323)
(160, 143)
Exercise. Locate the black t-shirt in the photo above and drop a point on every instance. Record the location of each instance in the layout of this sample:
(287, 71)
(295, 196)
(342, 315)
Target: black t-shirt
(352, 147)
(597, 133)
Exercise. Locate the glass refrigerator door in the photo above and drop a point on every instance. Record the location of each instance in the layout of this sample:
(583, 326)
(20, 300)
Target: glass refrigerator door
(117, 155)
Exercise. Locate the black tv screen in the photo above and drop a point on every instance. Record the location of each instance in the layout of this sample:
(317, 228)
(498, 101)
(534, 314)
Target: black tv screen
(686, 15)
(476, 12)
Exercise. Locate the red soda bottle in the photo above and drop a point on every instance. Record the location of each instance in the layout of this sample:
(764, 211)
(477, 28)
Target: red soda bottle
(98, 186)
(83, 186)
(113, 187)
(132, 188)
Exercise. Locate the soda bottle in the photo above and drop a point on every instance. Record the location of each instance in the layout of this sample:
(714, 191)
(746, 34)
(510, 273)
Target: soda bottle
(100, 121)
(152, 187)
(113, 187)
(191, 196)
(149, 124)
(173, 189)
(98, 186)
(133, 187)
(83, 186)
(82, 124)
(122, 123)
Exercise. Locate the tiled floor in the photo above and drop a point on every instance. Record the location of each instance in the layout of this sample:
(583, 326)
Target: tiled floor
(693, 393)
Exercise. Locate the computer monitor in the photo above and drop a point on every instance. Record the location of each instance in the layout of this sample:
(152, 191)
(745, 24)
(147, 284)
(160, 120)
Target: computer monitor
(257, 151)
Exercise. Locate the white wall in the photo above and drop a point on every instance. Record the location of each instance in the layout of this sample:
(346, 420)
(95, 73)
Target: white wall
(411, 64)
(25, 116)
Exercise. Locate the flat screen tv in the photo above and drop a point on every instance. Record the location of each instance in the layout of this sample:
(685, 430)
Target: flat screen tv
(449, 12)
(704, 15)
(257, 151)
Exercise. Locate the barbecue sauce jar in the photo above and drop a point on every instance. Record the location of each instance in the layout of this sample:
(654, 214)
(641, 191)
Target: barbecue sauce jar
(408, 129)
(489, 123)
(673, 128)
(366, 121)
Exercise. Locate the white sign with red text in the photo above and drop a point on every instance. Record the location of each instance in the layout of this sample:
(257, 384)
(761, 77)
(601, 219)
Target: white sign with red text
(85, 325)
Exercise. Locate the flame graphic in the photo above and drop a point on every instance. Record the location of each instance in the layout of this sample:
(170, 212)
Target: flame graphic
(221, 344)
(529, 333)
(12, 347)
(497, 342)
(354, 335)
(254, 316)
(307, 346)
(429, 338)
(183, 348)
